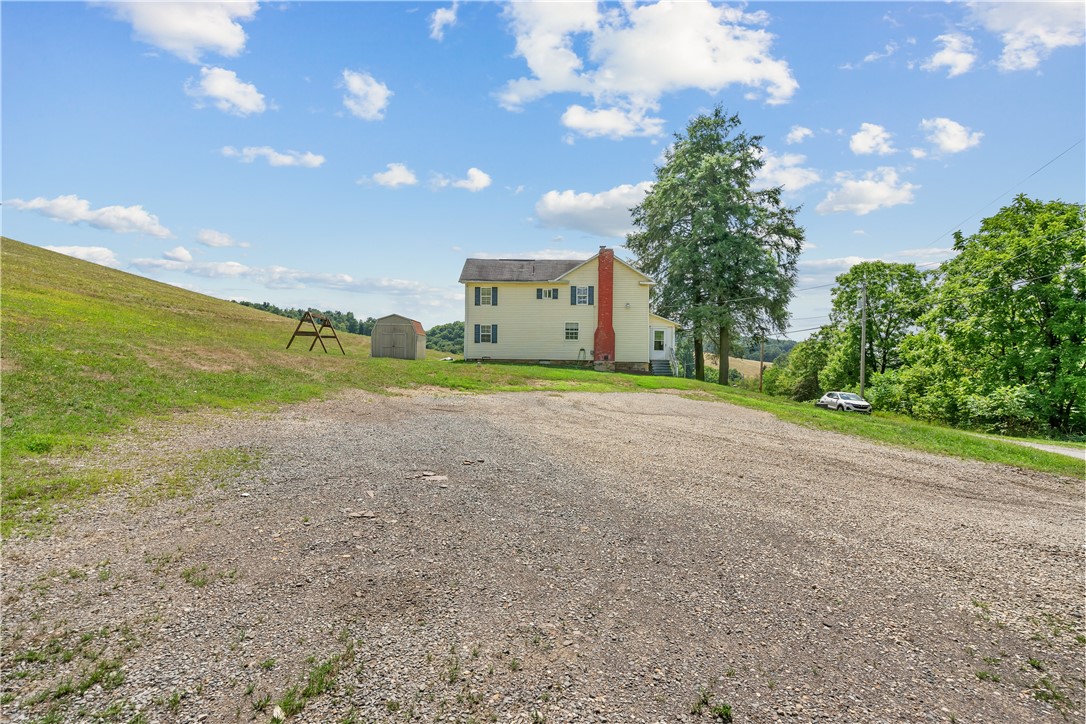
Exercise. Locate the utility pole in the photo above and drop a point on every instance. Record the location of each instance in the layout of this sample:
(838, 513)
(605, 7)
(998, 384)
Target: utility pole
(761, 362)
(863, 336)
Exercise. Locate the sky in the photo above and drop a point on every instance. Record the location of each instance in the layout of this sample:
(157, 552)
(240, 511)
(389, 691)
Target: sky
(351, 155)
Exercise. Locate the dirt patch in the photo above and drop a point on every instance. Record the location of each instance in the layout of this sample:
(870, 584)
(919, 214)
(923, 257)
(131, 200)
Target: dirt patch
(567, 558)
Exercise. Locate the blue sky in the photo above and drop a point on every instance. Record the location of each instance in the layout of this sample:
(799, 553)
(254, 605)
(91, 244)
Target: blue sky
(351, 155)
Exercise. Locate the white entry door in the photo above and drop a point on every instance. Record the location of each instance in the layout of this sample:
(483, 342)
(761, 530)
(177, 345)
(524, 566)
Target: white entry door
(659, 342)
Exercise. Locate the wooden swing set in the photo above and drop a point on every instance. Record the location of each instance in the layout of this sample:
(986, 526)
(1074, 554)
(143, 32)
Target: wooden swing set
(317, 333)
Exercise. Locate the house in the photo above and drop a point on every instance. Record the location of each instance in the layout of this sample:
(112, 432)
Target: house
(399, 337)
(566, 310)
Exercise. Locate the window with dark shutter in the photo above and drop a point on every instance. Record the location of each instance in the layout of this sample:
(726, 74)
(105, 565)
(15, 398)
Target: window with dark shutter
(591, 295)
(573, 295)
(476, 333)
(539, 293)
(478, 291)
(554, 294)
(494, 296)
(494, 333)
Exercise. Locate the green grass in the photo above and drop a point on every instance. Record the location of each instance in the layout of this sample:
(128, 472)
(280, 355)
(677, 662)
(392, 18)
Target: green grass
(88, 352)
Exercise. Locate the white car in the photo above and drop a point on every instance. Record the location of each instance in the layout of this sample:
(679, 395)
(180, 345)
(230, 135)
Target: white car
(845, 402)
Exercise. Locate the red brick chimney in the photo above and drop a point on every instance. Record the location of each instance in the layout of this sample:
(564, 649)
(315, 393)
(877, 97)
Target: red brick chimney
(604, 339)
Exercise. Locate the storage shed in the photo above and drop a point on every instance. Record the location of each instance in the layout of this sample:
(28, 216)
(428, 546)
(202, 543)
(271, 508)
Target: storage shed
(399, 337)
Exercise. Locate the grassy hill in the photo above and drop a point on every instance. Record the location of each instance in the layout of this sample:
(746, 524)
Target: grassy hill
(86, 351)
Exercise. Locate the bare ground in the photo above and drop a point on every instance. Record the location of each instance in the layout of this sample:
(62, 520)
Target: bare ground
(635, 557)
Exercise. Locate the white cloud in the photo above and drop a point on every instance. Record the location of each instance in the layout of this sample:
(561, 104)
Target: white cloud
(611, 122)
(210, 269)
(397, 175)
(441, 18)
(879, 189)
(957, 55)
(604, 214)
(278, 277)
(476, 180)
(633, 54)
(178, 253)
(949, 136)
(871, 138)
(925, 253)
(94, 254)
(785, 170)
(367, 97)
(546, 254)
(888, 50)
(73, 210)
(918, 153)
(188, 29)
(229, 94)
(217, 239)
(1031, 31)
(841, 262)
(274, 158)
(798, 134)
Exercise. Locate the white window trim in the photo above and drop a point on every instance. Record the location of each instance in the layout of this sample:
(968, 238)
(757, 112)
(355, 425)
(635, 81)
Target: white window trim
(582, 291)
(486, 298)
(576, 331)
(485, 334)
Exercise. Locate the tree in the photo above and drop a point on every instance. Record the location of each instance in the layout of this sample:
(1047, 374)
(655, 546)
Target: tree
(1011, 306)
(723, 252)
(446, 337)
(896, 295)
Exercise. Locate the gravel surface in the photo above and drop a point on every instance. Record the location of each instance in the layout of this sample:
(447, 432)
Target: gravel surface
(547, 557)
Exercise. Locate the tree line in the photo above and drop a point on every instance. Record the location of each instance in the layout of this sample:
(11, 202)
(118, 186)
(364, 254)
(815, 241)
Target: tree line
(992, 339)
(445, 337)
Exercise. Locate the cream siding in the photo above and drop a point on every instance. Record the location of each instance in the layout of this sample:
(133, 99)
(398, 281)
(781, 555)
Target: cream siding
(528, 328)
(534, 329)
(631, 325)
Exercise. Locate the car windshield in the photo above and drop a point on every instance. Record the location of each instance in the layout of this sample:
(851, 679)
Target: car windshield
(850, 396)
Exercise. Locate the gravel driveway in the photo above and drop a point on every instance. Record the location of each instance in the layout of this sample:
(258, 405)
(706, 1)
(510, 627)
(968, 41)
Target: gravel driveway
(549, 557)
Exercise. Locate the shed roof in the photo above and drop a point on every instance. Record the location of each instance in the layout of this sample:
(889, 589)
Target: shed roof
(516, 270)
(399, 317)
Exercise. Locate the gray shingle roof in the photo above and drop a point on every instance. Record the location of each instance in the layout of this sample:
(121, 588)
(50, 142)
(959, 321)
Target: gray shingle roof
(516, 270)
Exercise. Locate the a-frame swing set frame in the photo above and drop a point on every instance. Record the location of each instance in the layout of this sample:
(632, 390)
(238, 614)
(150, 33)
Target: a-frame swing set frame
(317, 332)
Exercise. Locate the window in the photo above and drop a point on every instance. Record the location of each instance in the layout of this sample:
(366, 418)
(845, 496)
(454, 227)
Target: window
(546, 293)
(573, 330)
(486, 333)
(658, 340)
(582, 295)
(486, 296)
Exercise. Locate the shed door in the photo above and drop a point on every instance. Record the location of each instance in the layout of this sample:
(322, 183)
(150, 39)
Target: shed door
(395, 344)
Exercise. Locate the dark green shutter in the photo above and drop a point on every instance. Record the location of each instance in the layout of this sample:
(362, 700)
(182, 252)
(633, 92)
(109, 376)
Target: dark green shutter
(554, 294)
(477, 299)
(539, 293)
(591, 296)
(494, 333)
(573, 295)
(476, 327)
(493, 296)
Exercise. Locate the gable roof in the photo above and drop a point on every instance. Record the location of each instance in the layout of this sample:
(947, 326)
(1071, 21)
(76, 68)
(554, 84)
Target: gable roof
(528, 270)
(617, 259)
(391, 318)
(516, 270)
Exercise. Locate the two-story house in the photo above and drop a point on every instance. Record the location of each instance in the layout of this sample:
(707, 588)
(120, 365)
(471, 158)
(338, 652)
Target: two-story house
(565, 310)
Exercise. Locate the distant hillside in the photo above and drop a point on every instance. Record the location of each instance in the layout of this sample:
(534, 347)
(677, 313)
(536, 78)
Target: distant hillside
(747, 367)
